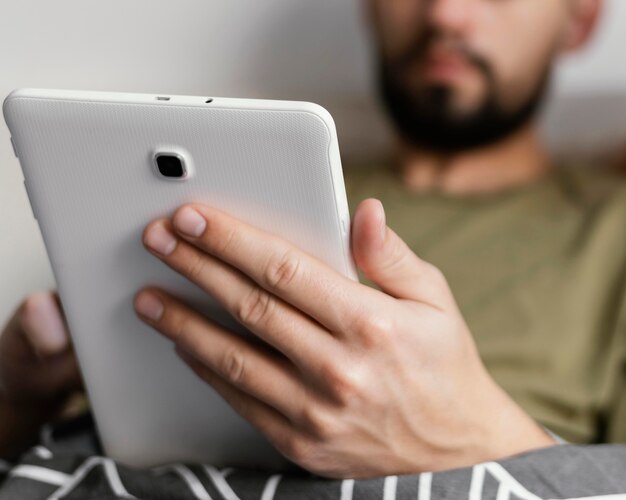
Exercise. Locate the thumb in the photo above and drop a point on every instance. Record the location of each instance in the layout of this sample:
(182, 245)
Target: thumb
(388, 261)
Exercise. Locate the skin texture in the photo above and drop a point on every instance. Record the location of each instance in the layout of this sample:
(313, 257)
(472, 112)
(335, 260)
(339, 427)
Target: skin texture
(406, 339)
(360, 382)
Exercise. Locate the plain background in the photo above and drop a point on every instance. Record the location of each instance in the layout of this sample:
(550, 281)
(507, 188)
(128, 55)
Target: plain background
(288, 49)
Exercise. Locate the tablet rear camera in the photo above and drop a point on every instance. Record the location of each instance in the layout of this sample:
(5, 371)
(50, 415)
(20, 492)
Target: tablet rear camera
(171, 166)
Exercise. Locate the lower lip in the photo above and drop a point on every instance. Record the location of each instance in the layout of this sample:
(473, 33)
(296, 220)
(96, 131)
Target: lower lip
(443, 71)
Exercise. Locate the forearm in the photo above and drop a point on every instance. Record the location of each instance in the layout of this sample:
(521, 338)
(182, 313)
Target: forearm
(509, 430)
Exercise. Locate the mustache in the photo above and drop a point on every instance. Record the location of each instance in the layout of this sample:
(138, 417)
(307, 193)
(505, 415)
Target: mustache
(420, 47)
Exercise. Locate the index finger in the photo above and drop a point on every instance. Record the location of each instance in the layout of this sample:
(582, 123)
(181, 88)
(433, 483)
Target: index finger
(311, 286)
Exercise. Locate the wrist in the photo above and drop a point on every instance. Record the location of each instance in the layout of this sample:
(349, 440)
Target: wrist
(511, 431)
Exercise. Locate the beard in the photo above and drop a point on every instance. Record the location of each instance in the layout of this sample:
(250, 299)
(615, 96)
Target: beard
(426, 118)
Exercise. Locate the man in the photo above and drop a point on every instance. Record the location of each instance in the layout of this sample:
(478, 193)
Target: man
(534, 256)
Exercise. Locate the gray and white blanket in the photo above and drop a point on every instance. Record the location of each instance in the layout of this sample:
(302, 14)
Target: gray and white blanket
(67, 465)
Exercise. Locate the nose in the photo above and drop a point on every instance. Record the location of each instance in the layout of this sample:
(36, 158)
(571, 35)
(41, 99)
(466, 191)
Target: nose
(452, 16)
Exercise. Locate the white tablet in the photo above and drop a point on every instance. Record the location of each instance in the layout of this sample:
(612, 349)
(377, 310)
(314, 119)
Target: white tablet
(98, 168)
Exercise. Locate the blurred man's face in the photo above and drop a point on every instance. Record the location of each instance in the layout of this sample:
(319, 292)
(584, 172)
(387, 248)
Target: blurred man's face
(460, 74)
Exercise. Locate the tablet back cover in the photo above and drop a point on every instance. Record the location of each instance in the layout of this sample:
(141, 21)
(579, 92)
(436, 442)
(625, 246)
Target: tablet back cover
(88, 165)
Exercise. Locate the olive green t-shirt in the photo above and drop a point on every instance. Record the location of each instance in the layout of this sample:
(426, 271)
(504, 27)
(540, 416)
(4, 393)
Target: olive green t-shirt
(539, 273)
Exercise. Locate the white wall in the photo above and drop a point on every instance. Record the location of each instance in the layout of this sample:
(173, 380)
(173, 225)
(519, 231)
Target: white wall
(601, 67)
(313, 50)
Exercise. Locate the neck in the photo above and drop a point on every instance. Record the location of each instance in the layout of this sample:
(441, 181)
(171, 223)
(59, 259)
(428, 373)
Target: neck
(513, 162)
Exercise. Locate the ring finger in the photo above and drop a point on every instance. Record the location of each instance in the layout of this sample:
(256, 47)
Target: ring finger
(252, 368)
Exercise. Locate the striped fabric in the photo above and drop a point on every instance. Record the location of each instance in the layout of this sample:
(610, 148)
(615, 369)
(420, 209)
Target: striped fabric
(64, 469)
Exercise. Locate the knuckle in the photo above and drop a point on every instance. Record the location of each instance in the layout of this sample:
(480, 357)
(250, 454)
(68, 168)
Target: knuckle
(396, 259)
(374, 330)
(347, 389)
(255, 308)
(179, 328)
(179, 325)
(344, 385)
(233, 366)
(227, 237)
(317, 422)
(195, 266)
(330, 373)
(281, 271)
(308, 452)
(298, 448)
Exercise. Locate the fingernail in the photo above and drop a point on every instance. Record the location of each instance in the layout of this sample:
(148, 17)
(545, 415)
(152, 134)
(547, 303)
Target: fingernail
(149, 306)
(190, 222)
(160, 240)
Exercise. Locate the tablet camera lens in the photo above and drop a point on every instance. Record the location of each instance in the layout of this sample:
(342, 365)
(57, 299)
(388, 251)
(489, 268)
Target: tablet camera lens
(170, 166)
